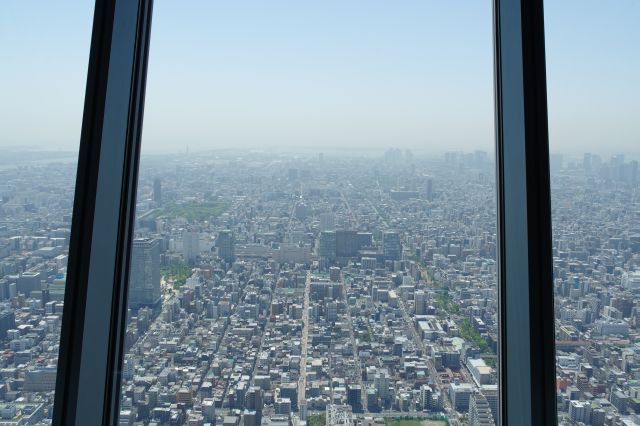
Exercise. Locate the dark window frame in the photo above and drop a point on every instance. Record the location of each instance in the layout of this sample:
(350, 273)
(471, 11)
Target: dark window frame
(525, 274)
(87, 385)
(88, 382)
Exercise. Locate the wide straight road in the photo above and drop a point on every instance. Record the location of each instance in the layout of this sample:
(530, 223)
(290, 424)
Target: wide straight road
(354, 345)
(453, 416)
(302, 382)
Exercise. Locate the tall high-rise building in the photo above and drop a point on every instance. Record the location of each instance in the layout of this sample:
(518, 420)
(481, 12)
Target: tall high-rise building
(420, 299)
(190, 245)
(369, 263)
(290, 391)
(209, 410)
(327, 221)
(479, 411)
(460, 396)
(4, 289)
(580, 412)
(327, 247)
(226, 246)
(347, 243)
(354, 397)
(429, 189)
(332, 311)
(382, 382)
(425, 397)
(334, 274)
(391, 245)
(28, 282)
(144, 281)
(7, 322)
(253, 398)
(157, 191)
(490, 392)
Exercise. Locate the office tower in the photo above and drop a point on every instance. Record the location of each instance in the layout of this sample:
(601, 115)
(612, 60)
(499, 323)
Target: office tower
(460, 396)
(4, 289)
(373, 403)
(598, 417)
(618, 399)
(392, 248)
(290, 391)
(334, 274)
(13, 290)
(382, 382)
(420, 299)
(354, 397)
(631, 280)
(365, 239)
(28, 282)
(240, 394)
(580, 411)
(40, 379)
(282, 406)
(429, 189)
(425, 397)
(479, 411)
(226, 246)
(347, 243)
(190, 245)
(7, 322)
(253, 398)
(126, 417)
(332, 311)
(398, 346)
(144, 281)
(327, 249)
(249, 418)
(324, 289)
(327, 222)
(490, 392)
(57, 286)
(369, 263)
(157, 191)
(209, 410)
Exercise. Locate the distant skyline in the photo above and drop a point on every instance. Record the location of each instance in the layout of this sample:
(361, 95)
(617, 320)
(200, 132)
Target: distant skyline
(365, 74)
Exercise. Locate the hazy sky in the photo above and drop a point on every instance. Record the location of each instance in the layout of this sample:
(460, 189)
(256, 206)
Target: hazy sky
(362, 73)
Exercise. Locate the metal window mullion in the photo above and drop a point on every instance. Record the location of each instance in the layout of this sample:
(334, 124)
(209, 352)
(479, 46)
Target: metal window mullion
(527, 369)
(119, 307)
(102, 216)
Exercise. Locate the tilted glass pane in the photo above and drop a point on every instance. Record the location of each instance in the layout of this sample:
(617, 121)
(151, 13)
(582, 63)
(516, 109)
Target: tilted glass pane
(316, 216)
(593, 69)
(44, 51)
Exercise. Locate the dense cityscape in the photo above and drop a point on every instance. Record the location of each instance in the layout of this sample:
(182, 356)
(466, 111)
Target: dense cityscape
(321, 289)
